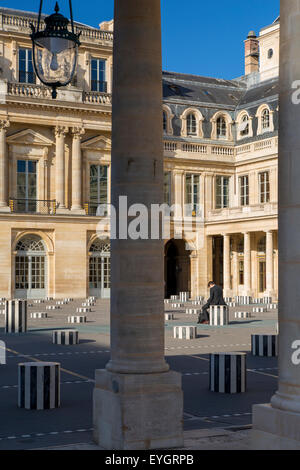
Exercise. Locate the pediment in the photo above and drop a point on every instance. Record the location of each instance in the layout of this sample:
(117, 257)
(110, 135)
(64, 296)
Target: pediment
(29, 137)
(97, 143)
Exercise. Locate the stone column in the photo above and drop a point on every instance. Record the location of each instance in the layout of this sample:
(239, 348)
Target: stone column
(3, 167)
(247, 263)
(77, 171)
(277, 425)
(235, 268)
(137, 399)
(60, 133)
(226, 265)
(269, 263)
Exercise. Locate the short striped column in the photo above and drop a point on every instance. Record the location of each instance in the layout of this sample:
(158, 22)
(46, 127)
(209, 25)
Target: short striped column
(52, 307)
(185, 332)
(177, 305)
(242, 314)
(228, 299)
(38, 301)
(39, 315)
(49, 299)
(259, 309)
(39, 385)
(174, 297)
(68, 299)
(83, 309)
(16, 316)
(193, 311)
(243, 299)
(197, 302)
(200, 298)
(76, 319)
(264, 345)
(232, 304)
(67, 337)
(88, 304)
(267, 300)
(61, 302)
(169, 316)
(272, 306)
(184, 296)
(218, 315)
(227, 372)
(92, 298)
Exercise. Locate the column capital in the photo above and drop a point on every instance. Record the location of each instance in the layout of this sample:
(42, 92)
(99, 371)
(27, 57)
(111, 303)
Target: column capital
(78, 132)
(61, 131)
(4, 124)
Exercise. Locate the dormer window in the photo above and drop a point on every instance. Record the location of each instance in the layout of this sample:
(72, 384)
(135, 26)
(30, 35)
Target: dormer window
(244, 127)
(165, 122)
(191, 124)
(265, 119)
(221, 128)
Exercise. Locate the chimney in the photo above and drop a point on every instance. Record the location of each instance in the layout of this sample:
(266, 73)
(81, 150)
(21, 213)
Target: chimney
(251, 53)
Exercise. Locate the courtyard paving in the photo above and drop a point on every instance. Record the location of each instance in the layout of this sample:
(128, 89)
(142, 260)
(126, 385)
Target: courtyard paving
(209, 418)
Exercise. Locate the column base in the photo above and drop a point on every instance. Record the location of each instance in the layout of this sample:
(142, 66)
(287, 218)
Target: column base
(78, 210)
(138, 411)
(5, 209)
(62, 210)
(275, 429)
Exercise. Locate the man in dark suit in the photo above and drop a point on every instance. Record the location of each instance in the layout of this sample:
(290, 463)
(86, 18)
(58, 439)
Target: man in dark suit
(215, 298)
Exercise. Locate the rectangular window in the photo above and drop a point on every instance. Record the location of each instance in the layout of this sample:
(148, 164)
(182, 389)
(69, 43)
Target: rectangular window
(26, 185)
(26, 72)
(98, 75)
(264, 187)
(98, 186)
(222, 192)
(192, 194)
(244, 190)
(262, 276)
(241, 272)
(167, 188)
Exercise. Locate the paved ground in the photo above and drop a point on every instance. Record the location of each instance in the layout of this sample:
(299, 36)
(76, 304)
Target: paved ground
(206, 413)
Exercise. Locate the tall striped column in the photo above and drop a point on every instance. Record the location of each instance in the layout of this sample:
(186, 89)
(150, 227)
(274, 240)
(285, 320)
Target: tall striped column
(16, 316)
(227, 372)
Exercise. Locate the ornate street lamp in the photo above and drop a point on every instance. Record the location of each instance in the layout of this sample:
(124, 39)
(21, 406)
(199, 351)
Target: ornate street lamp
(55, 49)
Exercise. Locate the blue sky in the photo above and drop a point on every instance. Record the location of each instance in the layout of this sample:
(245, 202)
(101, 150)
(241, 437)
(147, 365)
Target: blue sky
(199, 37)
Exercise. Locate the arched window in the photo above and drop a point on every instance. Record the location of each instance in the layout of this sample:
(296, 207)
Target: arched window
(99, 269)
(244, 126)
(191, 124)
(265, 119)
(261, 246)
(221, 127)
(165, 121)
(30, 268)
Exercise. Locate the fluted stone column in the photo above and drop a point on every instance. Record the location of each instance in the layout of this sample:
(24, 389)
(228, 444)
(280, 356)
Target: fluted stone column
(137, 399)
(3, 167)
(277, 425)
(60, 133)
(247, 263)
(77, 171)
(226, 265)
(269, 263)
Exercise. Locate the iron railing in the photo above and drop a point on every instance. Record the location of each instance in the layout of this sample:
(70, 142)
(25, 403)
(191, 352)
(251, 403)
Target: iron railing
(32, 206)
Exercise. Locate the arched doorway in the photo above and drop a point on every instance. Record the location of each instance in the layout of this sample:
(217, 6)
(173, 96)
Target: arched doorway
(99, 269)
(177, 268)
(30, 268)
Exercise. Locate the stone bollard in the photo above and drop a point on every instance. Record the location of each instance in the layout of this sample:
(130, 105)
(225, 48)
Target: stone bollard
(67, 337)
(39, 315)
(193, 311)
(259, 309)
(39, 385)
(76, 319)
(177, 305)
(169, 316)
(264, 345)
(242, 315)
(16, 316)
(218, 315)
(185, 332)
(227, 372)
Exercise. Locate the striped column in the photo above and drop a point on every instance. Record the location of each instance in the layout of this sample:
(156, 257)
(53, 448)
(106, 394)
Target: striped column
(227, 372)
(193, 311)
(83, 310)
(39, 385)
(259, 309)
(76, 319)
(267, 300)
(185, 332)
(264, 345)
(242, 315)
(16, 316)
(184, 296)
(176, 305)
(169, 316)
(218, 315)
(68, 337)
(38, 315)
(243, 299)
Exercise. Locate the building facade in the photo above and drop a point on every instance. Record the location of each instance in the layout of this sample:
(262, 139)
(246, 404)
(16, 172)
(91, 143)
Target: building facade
(220, 153)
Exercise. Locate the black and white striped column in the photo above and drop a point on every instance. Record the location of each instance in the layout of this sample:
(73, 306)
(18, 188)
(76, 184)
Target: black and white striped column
(264, 345)
(169, 316)
(77, 319)
(242, 315)
(68, 337)
(185, 332)
(227, 372)
(39, 385)
(16, 316)
(39, 315)
(218, 315)
(259, 309)
(243, 299)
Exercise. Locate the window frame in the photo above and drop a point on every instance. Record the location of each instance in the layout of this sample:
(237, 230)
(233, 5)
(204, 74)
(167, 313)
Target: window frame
(27, 61)
(264, 187)
(244, 190)
(97, 89)
(223, 194)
